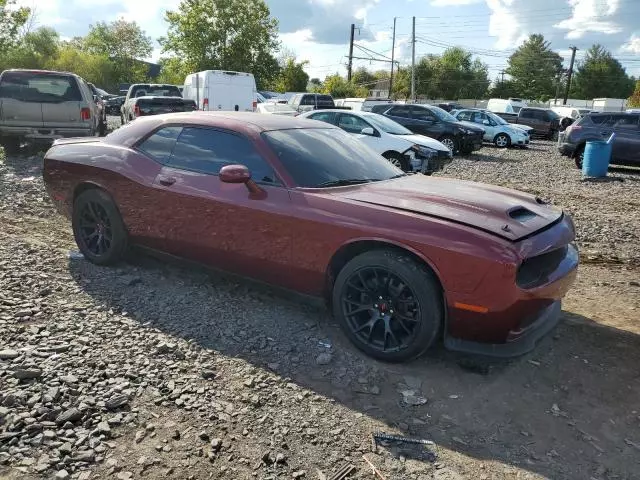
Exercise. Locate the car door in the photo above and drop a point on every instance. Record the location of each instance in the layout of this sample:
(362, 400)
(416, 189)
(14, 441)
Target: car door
(402, 115)
(354, 125)
(626, 143)
(222, 224)
(527, 117)
(483, 121)
(426, 123)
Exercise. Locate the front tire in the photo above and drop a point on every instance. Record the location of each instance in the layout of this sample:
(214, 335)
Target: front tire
(98, 228)
(11, 145)
(388, 304)
(449, 142)
(397, 160)
(502, 140)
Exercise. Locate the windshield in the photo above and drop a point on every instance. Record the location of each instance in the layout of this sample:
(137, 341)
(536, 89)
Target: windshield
(553, 115)
(443, 114)
(496, 118)
(317, 156)
(385, 124)
(516, 109)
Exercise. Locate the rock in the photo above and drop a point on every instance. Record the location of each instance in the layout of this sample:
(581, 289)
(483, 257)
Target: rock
(124, 476)
(204, 436)
(208, 374)
(72, 415)
(176, 435)
(69, 379)
(281, 458)
(61, 475)
(299, 474)
(27, 373)
(267, 458)
(65, 448)
(9, 354)
(216, 444)
(140, 434)
(116, 402)
(86, 456)
(410, 397)
(103, 429)
(164, 348)
(324, 359)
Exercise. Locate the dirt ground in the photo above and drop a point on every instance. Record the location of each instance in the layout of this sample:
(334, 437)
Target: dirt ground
(289, 397)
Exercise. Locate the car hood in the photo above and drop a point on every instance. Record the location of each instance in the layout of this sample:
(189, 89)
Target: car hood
(502, 212)
(424, 141)
(469, 126)
(525, 128)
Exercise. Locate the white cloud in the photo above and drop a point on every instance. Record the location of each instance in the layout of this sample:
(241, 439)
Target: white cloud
(453, 3)
(588, 16)
(633, 45)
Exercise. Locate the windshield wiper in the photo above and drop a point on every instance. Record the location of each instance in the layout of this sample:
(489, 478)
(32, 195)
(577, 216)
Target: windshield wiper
(344, 182)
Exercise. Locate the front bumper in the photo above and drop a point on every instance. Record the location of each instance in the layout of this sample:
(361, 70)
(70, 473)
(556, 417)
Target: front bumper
(522, 341)
(471, 143)
(565, 148)
(429, 165)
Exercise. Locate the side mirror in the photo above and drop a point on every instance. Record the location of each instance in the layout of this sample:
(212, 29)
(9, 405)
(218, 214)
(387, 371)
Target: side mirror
(234, 174)
(368, 131)
(486, 122)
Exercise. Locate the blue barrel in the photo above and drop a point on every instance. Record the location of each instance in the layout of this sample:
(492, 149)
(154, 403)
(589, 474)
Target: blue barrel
(597, 155)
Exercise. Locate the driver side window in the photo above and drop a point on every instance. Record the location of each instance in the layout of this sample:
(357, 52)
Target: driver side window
(352, 124)
(423, 114)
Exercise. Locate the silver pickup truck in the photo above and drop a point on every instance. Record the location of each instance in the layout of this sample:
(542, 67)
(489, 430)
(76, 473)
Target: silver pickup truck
(41, 106)
(153, 99)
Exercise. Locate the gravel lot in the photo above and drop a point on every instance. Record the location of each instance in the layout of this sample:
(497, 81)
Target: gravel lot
(151, 370)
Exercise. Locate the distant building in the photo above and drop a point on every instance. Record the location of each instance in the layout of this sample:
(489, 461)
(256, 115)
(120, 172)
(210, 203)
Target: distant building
(380, 89)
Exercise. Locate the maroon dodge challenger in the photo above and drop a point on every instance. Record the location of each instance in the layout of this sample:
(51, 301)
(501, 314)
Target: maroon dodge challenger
(402, 259)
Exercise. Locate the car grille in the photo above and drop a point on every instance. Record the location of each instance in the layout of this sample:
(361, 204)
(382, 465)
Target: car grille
(535, 271)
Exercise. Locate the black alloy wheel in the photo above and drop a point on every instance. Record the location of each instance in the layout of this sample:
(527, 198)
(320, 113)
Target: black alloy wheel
(388, 305)
(98, 228)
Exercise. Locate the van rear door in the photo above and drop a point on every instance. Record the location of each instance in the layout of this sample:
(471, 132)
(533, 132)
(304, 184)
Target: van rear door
(20, 104)
(228, 90)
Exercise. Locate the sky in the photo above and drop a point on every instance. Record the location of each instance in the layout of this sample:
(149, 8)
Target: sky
(318, 30)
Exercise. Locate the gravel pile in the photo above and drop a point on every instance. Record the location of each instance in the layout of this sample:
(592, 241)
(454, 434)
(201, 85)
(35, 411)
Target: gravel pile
(606, 212)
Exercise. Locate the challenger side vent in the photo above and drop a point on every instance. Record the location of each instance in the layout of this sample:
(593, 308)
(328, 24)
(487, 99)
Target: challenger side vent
(521, 214)
(535, 271)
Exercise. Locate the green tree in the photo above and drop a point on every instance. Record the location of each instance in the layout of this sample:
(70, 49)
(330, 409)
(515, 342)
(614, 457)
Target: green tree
(173, 70)
(292, 77)
(236, 35)
(600, 75)
(634, 99)
(363, 77)
(503, 89)
(125, 44)
(11, 21)
(533, 68)
(402, 84)
(97, 69)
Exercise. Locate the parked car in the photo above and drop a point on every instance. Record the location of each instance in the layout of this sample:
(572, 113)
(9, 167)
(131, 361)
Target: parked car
(525, 128)
(362, 104)
(114, 105)
(403, 148)
(510, 105)
(221, 90)
(544, 121)
(153, 99)
(305, 102)
(102, 109)
(404, 260)
(449, 106)
(40, 106)
(435, 123)
(600, 126)
(496, 129)
(272, 108)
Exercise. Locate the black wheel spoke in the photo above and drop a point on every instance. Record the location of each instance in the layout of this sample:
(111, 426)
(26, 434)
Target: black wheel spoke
(385, 297)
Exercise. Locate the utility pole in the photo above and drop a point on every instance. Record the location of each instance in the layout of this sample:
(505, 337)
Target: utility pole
(413, 61)
(393, 51)
(558, 80)
(353, 30)
(566, 92)
(502, 72)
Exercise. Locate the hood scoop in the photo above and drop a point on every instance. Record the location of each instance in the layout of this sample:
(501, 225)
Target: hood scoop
(521, 214)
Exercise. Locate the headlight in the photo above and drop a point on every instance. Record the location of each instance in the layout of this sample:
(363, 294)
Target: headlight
(424, 151)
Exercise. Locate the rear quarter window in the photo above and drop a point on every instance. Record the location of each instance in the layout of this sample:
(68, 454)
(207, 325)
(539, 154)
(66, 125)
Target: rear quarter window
(40, 87)
(159, 146)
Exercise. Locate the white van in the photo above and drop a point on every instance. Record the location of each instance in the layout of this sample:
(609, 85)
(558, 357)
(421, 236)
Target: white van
(361, 104)
(218, 90)
(570, 112)
(511, 105)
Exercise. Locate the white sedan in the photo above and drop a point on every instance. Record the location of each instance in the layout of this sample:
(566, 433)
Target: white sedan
(394, 142)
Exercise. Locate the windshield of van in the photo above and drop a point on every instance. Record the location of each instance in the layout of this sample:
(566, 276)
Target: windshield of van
(385, 124)
(516, 109)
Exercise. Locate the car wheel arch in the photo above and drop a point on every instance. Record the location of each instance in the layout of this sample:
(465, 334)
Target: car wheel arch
(84, 186)
(357, 246)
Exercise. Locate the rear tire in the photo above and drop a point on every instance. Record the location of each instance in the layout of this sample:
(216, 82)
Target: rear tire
(397, 160)
(388, 304)
(11, 145)
(98, 228)
(578, 156)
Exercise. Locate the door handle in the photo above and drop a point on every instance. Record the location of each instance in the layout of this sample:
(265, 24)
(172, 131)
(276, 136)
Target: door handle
(166, 181)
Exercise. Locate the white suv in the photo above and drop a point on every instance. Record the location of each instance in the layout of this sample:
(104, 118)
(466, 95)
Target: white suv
(410, 152)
